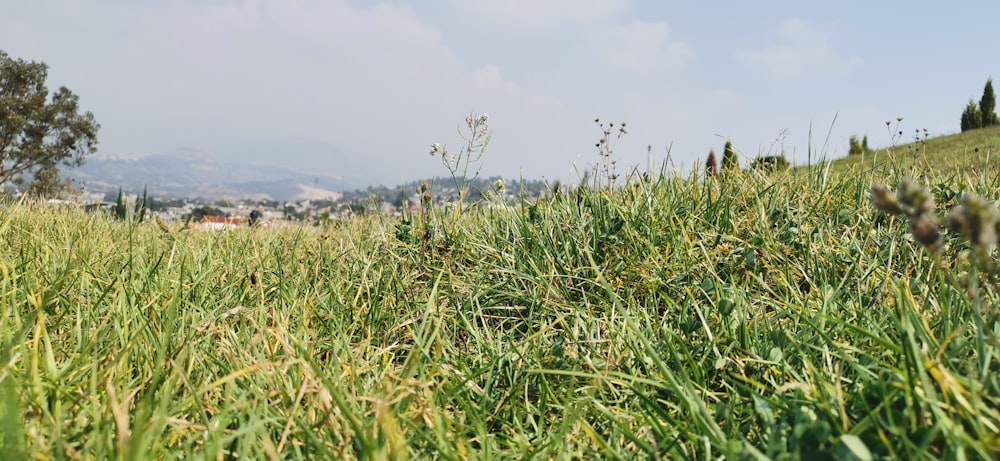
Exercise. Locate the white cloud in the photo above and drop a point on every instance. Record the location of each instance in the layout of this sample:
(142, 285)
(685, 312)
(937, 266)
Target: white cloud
(488, 78)
(804, 49)
(539, 15)
(639, 46)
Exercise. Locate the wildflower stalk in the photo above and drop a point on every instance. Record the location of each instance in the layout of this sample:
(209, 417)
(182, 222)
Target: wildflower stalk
(460, 164)
(426, 202)
(606, 149)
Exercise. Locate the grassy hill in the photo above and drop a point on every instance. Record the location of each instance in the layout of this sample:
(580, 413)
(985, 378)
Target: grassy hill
(750, 316)
(950, 157)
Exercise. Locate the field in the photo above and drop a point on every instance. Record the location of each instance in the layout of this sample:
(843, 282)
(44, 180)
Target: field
(748, 317)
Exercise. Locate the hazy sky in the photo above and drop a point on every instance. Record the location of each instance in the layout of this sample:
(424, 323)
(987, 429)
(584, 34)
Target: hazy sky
(320, 83)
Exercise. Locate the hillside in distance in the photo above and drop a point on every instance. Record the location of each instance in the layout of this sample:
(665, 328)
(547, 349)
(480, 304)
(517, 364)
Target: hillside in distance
(192, 174)
(949, 156)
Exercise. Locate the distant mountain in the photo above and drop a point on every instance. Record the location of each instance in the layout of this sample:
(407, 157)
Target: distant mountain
(299, 154)
(191, 173)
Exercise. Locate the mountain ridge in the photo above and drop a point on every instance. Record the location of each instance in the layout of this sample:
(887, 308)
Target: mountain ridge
(190, 173)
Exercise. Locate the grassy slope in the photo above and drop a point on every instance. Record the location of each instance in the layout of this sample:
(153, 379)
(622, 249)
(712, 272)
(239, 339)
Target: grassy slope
(974, 153)
(776, 316)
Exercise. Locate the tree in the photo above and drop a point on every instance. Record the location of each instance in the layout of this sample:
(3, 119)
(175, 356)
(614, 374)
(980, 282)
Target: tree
(770, 164)
(856, 147)
(141, 205)
(47, 183)
(121, 206)
(971, 117)
(729, 159)
(711, 166)
(205, 210)
(986, 105)
(39, 133)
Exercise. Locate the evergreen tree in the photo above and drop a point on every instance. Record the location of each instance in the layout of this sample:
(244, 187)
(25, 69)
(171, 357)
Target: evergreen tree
(987, 104)
(971, 117)
(140, 206)
(711, 166)
(729, 159)
(121, 206)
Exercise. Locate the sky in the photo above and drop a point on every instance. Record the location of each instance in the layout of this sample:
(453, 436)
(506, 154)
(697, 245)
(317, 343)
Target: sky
(342, 86)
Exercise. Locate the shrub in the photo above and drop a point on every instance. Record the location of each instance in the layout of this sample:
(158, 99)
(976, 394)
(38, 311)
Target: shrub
(856, 147)
(729, 159)
(971, 117)
(202, 211)
(770, 163)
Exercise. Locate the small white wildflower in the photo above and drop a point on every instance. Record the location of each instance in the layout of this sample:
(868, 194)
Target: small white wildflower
(499, 184)
(435, 148)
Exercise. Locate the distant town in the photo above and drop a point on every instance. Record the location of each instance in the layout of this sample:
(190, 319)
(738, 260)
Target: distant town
(219, 213)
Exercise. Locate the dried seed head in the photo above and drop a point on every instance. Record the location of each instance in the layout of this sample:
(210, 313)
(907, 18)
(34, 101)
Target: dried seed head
(883, 200)
(915, 197)
(925, 231)
(975, 219)
(996, 228)
(162, 225)
(957, 222)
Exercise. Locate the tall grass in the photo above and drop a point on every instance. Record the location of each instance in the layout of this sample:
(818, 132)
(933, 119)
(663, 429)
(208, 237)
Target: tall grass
(746, 317)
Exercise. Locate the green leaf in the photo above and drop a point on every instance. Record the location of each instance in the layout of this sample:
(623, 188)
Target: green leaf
(851, 448)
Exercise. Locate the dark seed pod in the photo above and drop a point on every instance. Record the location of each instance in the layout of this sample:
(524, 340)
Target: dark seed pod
(924, 230)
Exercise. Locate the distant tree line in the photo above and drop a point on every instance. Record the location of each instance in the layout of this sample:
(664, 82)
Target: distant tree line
(855, 147)
(442, 190)
(981, 115)
(729, 161)
(761, 164)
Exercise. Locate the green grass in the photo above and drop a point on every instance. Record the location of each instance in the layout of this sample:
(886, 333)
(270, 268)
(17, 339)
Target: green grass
(751, 317)
(975, 153)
